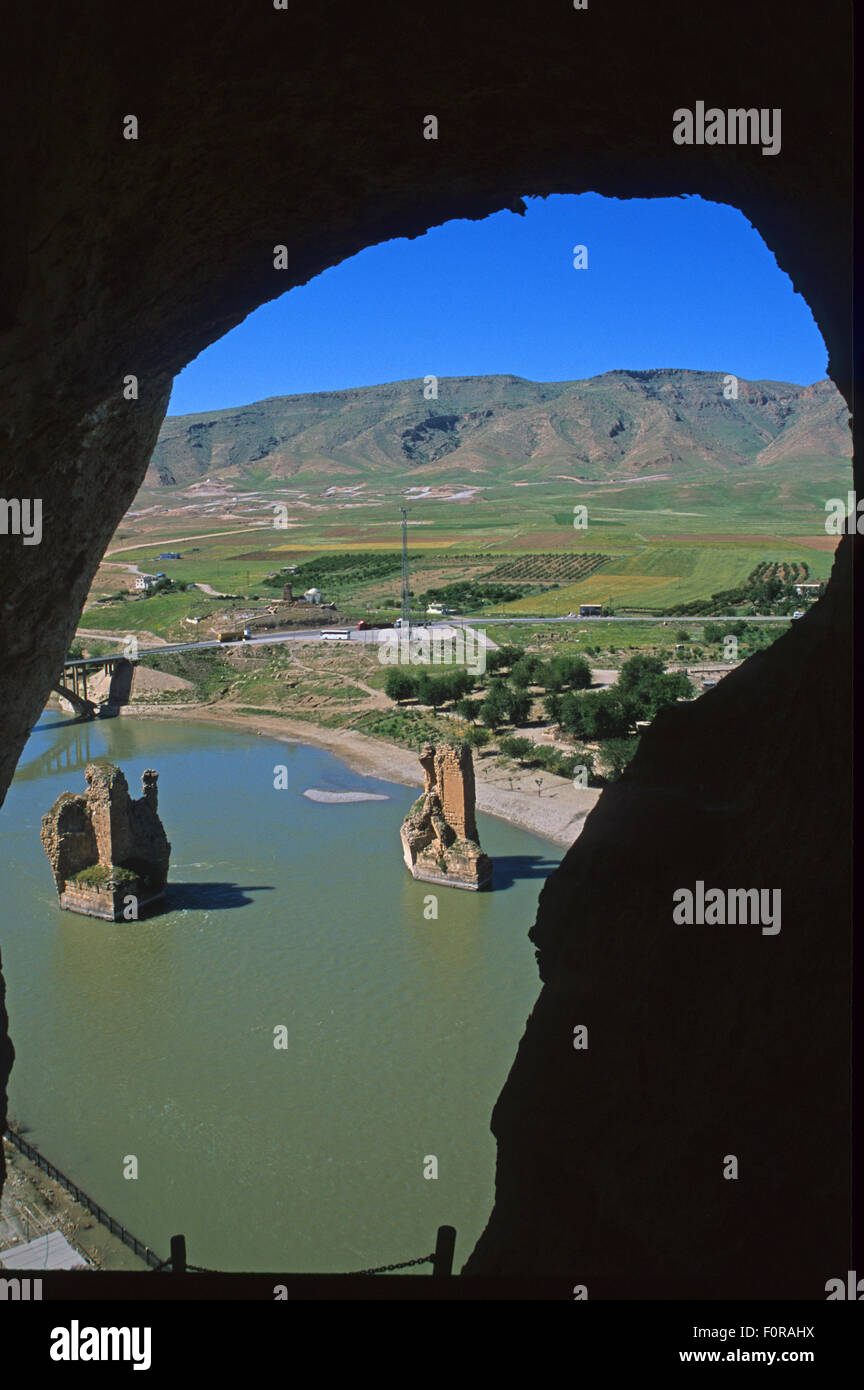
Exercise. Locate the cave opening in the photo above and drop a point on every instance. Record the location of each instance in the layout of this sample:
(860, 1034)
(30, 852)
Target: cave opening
(539, 112)
(654, 380)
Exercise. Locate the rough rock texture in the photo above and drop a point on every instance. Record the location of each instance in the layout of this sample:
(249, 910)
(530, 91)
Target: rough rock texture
(703, 1041)
(439, 834)
(304, 127)
(105, 827)
(7, 1057)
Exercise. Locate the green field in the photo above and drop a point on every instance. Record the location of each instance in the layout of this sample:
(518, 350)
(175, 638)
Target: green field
(659, 576)
(163, 614)
(667, 542)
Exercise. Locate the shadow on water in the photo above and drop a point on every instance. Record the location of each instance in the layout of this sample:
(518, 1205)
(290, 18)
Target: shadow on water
(515, 868)
(180, 897)
(43, 728)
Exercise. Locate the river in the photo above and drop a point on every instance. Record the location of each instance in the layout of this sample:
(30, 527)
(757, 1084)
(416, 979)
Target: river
(156, 1039)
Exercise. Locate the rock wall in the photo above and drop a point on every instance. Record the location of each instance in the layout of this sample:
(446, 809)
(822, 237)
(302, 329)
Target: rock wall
(703, 1042)
(7, 1057)
(439, 834)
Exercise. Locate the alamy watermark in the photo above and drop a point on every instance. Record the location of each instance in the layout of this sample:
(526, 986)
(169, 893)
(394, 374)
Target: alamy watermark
(21, 516)
(738, 126)
(423, 647)
(846, 518)
(851, 1288)
(16, 1290)
(77, 1343)
(719, 906)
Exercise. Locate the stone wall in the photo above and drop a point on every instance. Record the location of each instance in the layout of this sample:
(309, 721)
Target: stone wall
(449, 771)
(439, 834)
(105, 827)
(107, 902)
(69, 838)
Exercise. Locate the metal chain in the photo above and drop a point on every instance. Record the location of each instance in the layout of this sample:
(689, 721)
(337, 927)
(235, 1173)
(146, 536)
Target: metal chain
(354, 1273)
(385, 1269)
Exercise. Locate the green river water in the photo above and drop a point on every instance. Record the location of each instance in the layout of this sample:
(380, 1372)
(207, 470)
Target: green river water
(155, 1039)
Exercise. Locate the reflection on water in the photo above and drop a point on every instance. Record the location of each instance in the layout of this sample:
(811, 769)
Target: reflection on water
(156, 1038)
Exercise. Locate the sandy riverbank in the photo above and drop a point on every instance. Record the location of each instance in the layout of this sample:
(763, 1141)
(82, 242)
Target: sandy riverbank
(546, 805)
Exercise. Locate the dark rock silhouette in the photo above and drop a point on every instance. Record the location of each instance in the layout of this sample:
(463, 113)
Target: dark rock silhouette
(703, 1042)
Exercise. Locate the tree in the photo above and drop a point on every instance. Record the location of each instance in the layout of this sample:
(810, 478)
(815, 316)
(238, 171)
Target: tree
(647, 688)
(666, 690)
(504, 658)
(571, 713)
(494, 709)
(523, 672)
(636, 672)
(606, 714)
(431, 691)
(460, 683)
(518, 706)
(476, 737)
(617, 753)
(566, 673)
(712, 632)
(519, 748)
(552, 706)
(469, 709)
(399, 685)
(446, 688)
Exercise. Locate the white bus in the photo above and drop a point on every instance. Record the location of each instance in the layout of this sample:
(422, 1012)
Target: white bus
(337, 634)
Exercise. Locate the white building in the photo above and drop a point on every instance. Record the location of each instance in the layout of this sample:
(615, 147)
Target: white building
(312, 595)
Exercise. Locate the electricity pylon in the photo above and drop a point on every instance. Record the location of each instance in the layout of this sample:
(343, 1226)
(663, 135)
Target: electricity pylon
(406, 581)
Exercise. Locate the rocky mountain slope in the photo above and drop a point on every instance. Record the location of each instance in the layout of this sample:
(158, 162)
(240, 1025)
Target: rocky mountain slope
(622, 424)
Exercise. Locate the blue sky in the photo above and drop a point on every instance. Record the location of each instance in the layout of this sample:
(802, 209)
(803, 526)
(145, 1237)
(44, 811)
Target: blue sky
(671, 282)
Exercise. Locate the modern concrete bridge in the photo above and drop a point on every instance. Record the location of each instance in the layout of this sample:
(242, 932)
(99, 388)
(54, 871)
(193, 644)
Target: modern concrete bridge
(72, 682)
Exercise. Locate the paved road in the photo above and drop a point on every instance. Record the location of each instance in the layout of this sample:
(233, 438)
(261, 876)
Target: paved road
(373, 634)
(682, 622)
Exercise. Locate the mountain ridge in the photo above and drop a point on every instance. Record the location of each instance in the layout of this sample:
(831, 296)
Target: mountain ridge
(623, 422)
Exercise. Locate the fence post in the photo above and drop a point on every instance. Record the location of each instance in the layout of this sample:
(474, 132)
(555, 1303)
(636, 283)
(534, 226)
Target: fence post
(178, 1254)
(445, 1244)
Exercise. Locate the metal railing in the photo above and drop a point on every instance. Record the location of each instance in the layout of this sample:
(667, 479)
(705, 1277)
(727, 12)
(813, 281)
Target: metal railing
(115, 1227)
(441, 1258)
